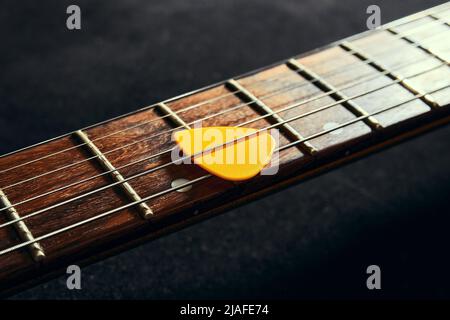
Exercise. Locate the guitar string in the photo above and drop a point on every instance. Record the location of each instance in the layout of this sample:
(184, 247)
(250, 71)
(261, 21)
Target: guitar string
(398, 36)
(301, 102)
(181, 159)
(356, 65)
(192, 182)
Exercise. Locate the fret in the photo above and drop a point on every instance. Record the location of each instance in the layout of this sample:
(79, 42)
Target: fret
(414, 60)
(322, 84)
(444, 14)
(70, 213)
(155, 137)
(427, 98)
(309, 98)
(144, 209)
(395, 54)
(132, 140)
(36, 250)
(165, 110)
(264, 109)
(432, 81)
(442, 35)
(338, 68)
(240, 112)
(430, 34)
(352, 81)
(427, 49)
(393, 93)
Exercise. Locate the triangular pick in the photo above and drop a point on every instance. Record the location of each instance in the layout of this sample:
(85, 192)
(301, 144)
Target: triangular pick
(231, 153)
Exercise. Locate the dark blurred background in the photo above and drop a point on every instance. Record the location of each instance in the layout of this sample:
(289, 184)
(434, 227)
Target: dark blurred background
(314, 240)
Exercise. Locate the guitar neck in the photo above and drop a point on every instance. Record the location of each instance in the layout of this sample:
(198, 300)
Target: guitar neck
(107, 187)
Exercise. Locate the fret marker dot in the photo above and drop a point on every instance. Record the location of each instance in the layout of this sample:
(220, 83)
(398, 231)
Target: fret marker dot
(177, 182)
(331, 125)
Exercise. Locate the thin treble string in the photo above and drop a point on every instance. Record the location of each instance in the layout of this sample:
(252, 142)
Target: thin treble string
(192, 182)
(202, 152)
(274, 93)
(287, 88)
(350, 85)
(276, 78)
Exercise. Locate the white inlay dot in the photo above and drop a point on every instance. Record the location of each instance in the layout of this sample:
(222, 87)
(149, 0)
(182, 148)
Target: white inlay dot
(332, 125)
(178, 182)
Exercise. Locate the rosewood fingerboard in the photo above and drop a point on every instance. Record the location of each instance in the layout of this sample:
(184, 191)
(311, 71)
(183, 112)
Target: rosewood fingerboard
(330, 106)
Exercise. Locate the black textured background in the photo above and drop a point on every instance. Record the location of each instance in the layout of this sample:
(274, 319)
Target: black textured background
(313, 240)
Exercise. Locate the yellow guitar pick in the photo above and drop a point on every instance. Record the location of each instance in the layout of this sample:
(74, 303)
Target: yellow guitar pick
(231, 153)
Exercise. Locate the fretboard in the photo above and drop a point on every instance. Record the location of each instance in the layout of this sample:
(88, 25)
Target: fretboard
(104, 188)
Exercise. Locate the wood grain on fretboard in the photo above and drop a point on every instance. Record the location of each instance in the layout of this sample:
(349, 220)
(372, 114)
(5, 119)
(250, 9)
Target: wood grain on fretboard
(335, 66)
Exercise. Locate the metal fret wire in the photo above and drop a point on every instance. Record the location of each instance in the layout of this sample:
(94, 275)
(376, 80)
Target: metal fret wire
(274, 93)
(436, 21)
(192, 182)
(208, 150)
(297, 104)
